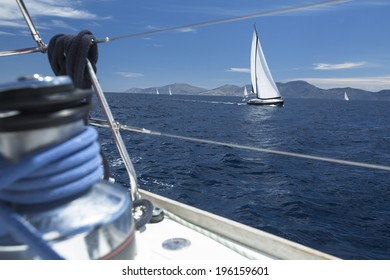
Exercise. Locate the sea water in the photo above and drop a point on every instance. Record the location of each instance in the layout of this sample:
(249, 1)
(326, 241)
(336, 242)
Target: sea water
(339, 209)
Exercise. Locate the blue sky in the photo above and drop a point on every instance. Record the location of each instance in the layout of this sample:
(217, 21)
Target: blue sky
(344, 44)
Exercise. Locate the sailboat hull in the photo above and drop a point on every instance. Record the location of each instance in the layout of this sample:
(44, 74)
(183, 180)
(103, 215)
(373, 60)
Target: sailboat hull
(266, 102)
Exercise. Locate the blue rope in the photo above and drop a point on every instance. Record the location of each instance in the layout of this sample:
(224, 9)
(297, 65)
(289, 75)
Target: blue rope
(55, 173)
(26, 233)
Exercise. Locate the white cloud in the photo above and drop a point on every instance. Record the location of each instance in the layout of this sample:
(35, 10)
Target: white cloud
(182, 30)
(11, 23)
(345, 65)
(60, 24)
(239, 70)
(366, 83)
(5, 33)
(187, 29)
(12, 17)
(235, 12)
(129, 74)
(152, 27)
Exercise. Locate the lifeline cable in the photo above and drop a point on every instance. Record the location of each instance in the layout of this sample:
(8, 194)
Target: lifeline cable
(101, 123)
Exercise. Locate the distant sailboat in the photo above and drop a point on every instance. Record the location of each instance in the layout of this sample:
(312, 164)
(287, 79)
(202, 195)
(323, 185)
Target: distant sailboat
(245, 94)
(346, 98)
(263, 84)
(170, 92)
(157, 91)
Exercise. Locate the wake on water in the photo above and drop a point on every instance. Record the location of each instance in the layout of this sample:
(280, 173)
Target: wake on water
(211, 102)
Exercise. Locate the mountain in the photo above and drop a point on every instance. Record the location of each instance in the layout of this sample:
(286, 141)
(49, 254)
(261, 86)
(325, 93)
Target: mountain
(294, 89)
(226, 90)
(302, 89)
(176, 88)
(298, 89)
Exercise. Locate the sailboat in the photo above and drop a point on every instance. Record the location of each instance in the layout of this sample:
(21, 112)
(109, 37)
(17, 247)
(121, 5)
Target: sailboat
(85, 217)
(263, 85)
(245, 94)
(346, 98)
(157, 92)
(170, 92)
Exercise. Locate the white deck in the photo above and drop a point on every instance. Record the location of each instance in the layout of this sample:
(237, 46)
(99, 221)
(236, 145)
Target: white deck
(223, 238)
(149, 244)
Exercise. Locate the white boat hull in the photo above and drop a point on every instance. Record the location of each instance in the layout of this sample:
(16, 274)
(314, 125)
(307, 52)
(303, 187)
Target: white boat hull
(267, 102)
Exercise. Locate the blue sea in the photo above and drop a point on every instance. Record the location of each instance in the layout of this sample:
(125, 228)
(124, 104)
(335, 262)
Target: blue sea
(339, 209)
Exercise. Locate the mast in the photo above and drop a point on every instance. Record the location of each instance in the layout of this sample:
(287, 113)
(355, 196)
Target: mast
(253, 62)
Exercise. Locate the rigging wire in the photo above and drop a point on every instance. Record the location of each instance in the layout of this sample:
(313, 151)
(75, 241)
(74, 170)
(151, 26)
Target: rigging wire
(231, 19)
(103, 123)
(42, 47)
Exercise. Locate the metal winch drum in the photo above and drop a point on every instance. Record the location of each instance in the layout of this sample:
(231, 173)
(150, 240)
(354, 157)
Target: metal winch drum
(52, 197)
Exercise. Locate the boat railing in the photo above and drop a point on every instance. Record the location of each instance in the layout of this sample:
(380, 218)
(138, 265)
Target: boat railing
(115, 129)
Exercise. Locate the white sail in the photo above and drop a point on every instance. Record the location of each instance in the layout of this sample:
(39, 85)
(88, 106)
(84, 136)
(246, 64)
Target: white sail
(245, 92)
(263, 84)
(346, 98)
(157, 91)
(170, 92)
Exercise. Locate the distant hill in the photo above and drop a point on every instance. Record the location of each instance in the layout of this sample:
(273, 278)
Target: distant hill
(294, 89)
(177, 88)
(302, 89)
(226, 90)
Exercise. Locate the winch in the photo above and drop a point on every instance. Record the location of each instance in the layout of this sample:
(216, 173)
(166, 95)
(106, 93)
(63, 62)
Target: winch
(53, 201)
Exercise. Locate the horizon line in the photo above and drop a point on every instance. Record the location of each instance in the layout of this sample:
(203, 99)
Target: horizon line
(248, 85)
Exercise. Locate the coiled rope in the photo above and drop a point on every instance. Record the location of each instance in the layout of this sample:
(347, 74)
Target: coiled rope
(56, 173)
(68, 55)
(145, 208)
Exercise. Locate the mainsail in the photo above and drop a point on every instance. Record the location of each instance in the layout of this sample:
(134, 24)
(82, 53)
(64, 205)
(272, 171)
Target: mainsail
(263, 84)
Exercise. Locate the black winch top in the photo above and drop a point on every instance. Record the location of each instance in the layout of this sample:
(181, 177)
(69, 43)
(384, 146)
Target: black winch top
(40, 102)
